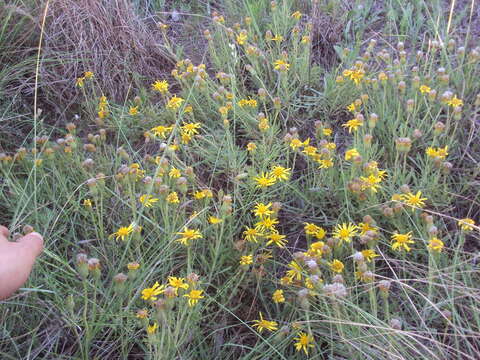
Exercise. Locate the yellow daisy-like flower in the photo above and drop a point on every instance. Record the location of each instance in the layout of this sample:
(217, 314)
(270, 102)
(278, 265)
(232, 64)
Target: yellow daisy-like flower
(296, 143)
(304, 342)
(242, 38)
(325, 163)
(87, 203)
(401, 241)
(152, 293)
(123, 232)
(351, 107)
(327, 132)
(345, 232)
(278, 297)
(314, 230)
(295, 271)
(466, 224)
(190, 128)
(246, 260)
(281, 65)
(152, 329)
(214, 220)
(454, 102)
(189, 235)
(252, 234)
(414, 201)
(267, 223)
(297, 15)
(80, 82)
(350, 154)
(279, 173)
(177, 283)
(261, 210)
(369, 254)
(161, 86)
(277, 239)
(193, 297)
(175, 102)
(263, 324)
(424, 89)
(133, 110)
(148, 200)
(172, 198)
(336, 266)
(88, 74)
(174, 173)
(264, 180)
(435, 244)
(161, 130)
(352, 125)
(251, 146)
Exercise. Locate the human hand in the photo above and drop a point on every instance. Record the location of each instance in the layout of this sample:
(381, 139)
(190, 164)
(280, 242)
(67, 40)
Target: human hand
(16, 260)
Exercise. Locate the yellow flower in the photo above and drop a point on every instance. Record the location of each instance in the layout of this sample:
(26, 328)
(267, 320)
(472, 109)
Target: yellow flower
(242, 38)
(352, 125)
(435, 244)
(177, 283)
(369, 254)
(296, 143)
(161, 130)
(251, 234)
(246, 260)
(133, 266)
(152, 293)
(466, 224)
(160, 86)
(314, 230)
(261, 210)
(133, 110)
(305, 39)
(247, 102)
(174, 102)
(152, 329)
(351, 107)
(193, 297)
(189, 235)
(345, 232)
(267, 223)
(327, 132)
(350, 154)
(438, 153)
(174, 173)
(295, 271)
(277, 239)
(415, 201)
(304, 341)
(79, 82)
(297, 15)
(425, 89)
(263, 324)
(251, 146)
(214, 220)
(87, 203)
(336, 266)
(325, 163)
(279, 173)
(455, 102)
(88, 75)
(277, 38)
(190, 128)
(123, 232)
(281, 65)
(172, 198)
(401, 241)
(278, 297)
(364, 227)
(264, 180)
(148, 200)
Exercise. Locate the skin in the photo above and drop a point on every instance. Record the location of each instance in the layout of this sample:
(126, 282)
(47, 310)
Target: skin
(16, 260)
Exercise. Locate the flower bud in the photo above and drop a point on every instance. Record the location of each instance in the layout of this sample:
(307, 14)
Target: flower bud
(119, 282)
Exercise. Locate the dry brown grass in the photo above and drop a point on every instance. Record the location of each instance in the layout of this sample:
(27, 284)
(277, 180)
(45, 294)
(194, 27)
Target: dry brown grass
(103, 36)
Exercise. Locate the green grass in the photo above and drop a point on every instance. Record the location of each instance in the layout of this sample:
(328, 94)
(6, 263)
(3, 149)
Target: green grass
(70, 311)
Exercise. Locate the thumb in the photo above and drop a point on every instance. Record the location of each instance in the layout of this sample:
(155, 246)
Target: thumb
(32, 243)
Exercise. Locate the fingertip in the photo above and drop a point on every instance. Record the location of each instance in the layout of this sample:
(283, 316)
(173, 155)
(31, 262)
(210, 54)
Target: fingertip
(33, 242)
(4, 231)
